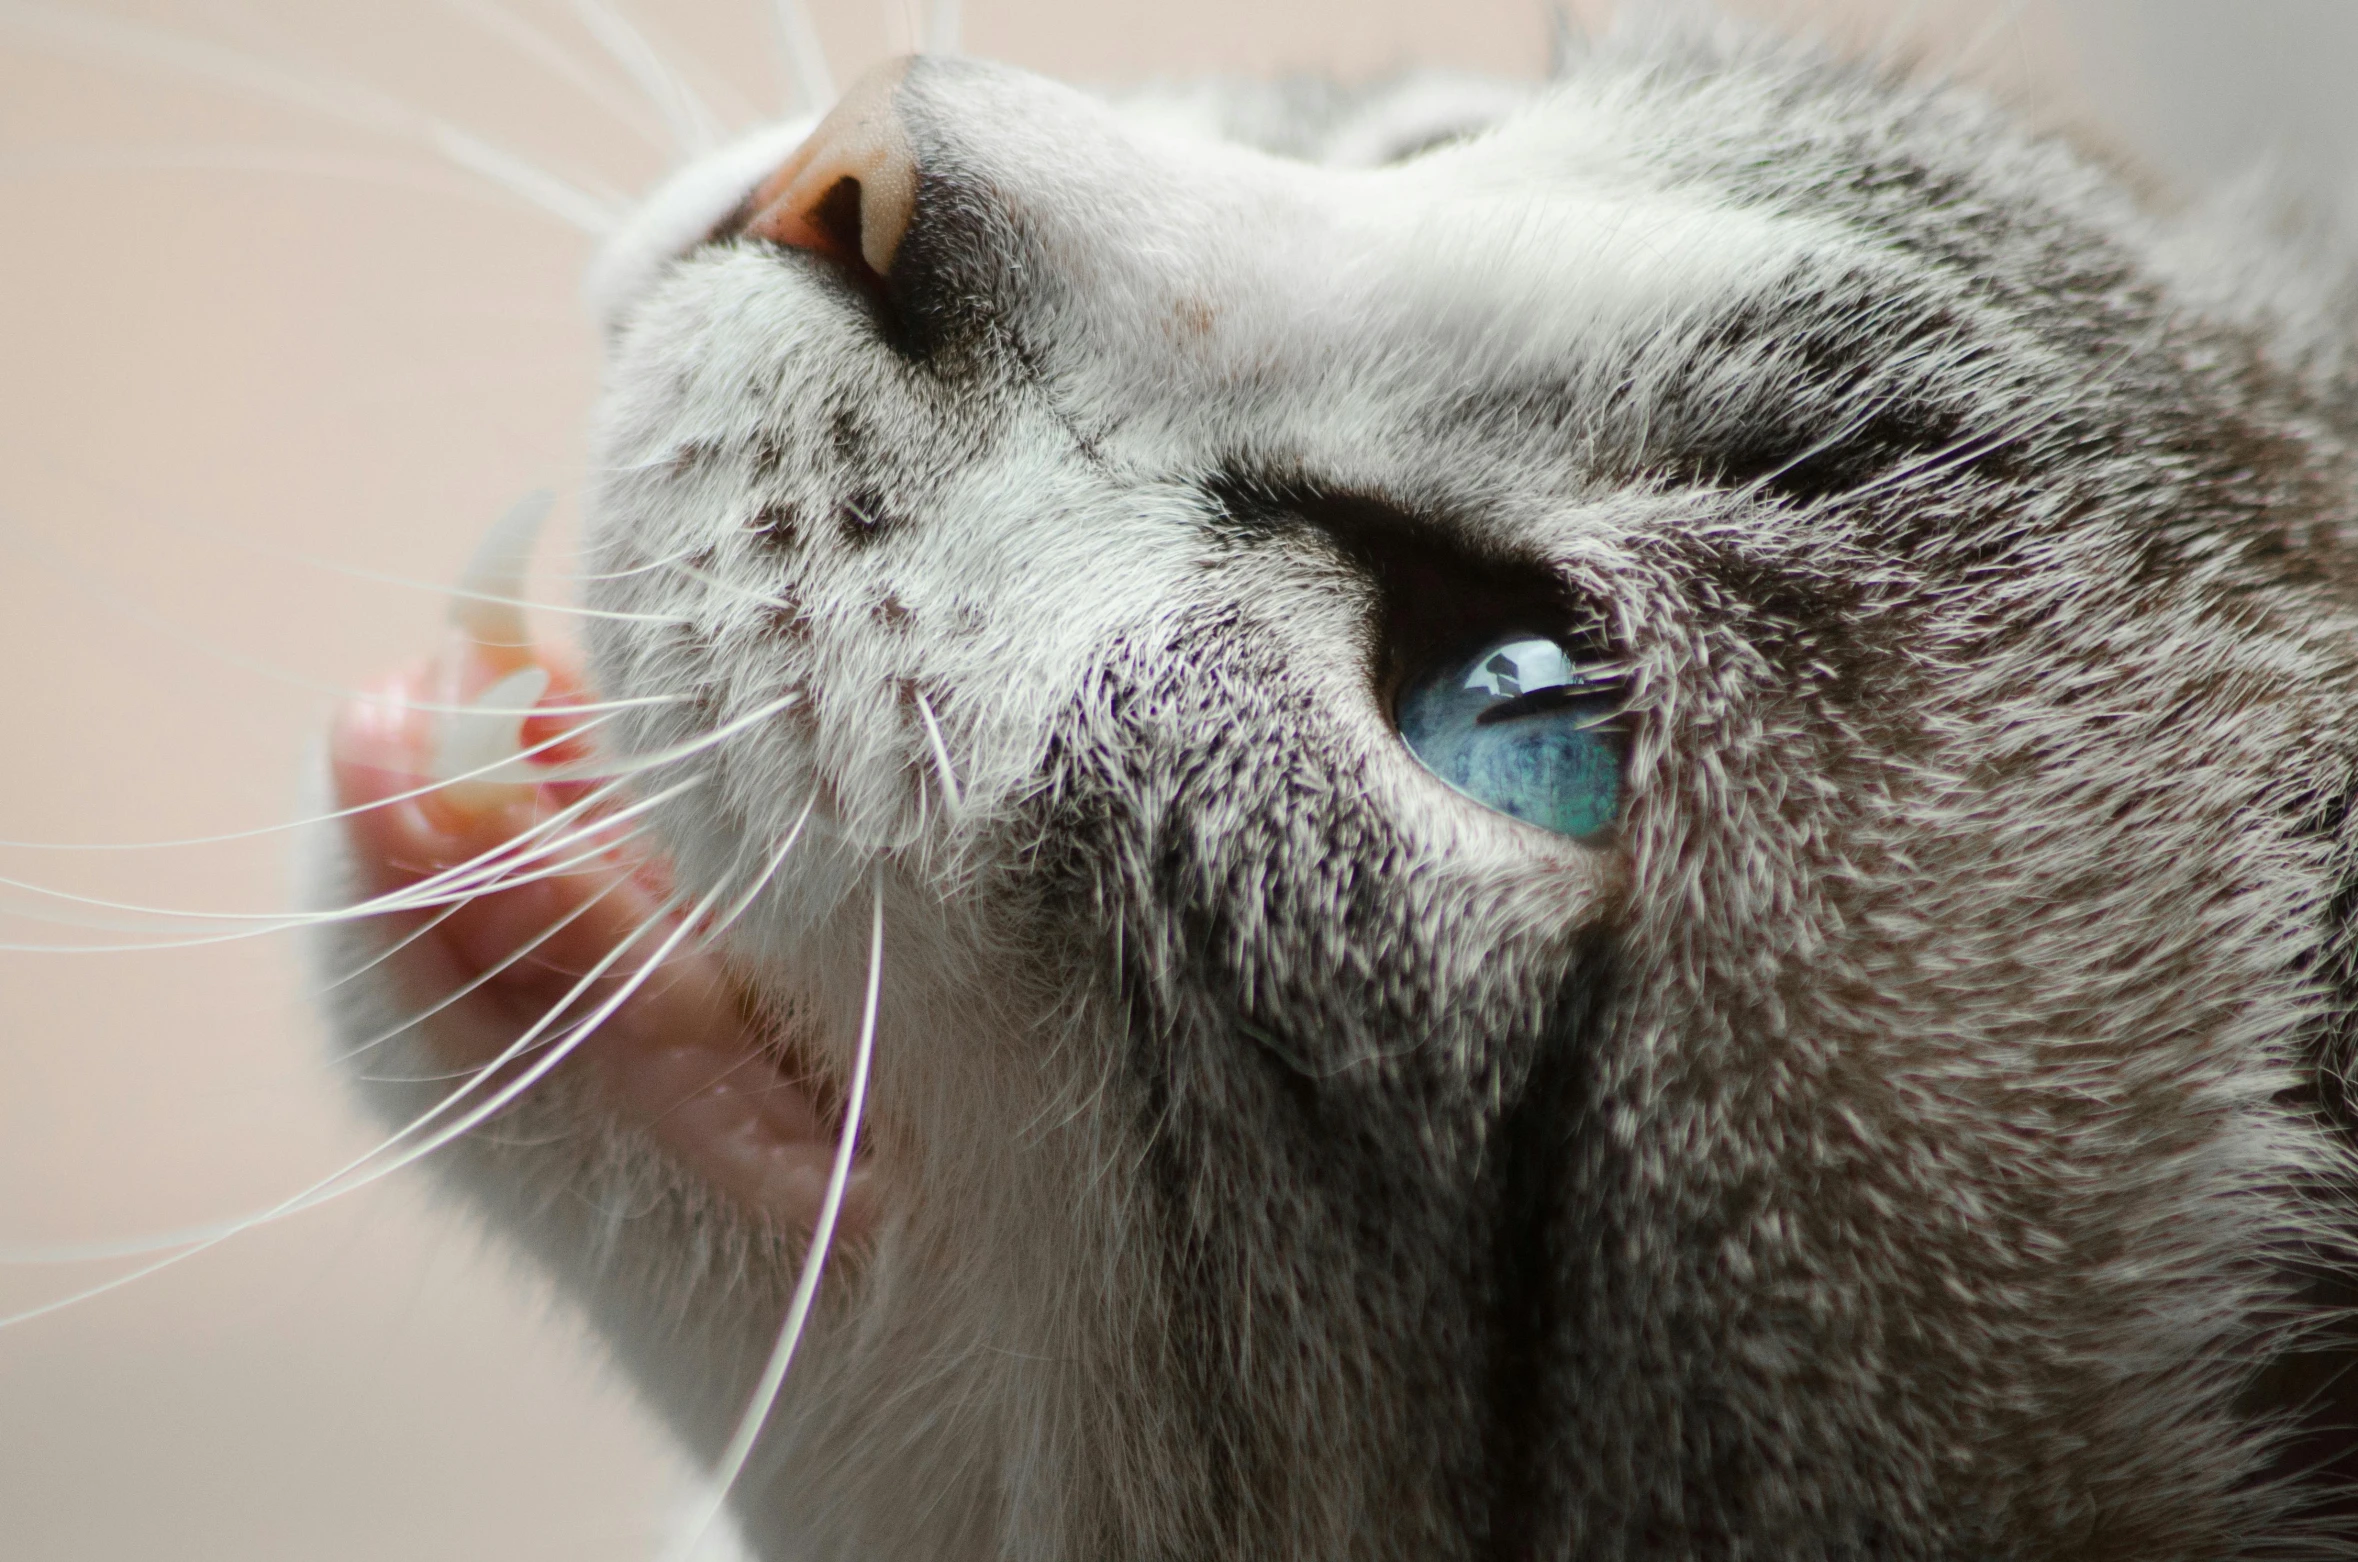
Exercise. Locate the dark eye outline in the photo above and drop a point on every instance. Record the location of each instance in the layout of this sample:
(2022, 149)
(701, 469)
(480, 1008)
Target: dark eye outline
(1441, 598)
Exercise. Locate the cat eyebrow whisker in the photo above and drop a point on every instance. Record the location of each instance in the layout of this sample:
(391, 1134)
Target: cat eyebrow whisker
(1973, 446)
(731, 1466)
(115, 41)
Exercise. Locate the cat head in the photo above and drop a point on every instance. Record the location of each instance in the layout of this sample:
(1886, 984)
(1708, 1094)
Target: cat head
(1607, 820)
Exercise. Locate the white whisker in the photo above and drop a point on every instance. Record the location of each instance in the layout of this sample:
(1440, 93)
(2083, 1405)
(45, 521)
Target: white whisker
(611, 615)
(536, 45)
(353, 812)
(357, 1173)
(507, 871)
(240, 157)
(941, 755)
(762, 880)
(553, 1052)
(599, 770)
(2006, 18)
(423, 930)
(77, 580)
(486, 875)
(694, 130)
(295, 824)
(492, 868)
(26, 1256)
(481, 980)
(495, 868)
(595, 215)
(115, 42)
(444, 589)
(712, 582)
(603, 847)
(569, 707)
(647, 568)
(536, 504)
(806, 1285)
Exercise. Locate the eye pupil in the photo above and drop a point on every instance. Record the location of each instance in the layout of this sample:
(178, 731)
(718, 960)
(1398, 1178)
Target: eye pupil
(1524, 729)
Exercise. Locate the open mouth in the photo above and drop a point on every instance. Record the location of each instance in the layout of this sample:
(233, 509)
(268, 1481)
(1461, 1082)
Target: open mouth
(533, 928)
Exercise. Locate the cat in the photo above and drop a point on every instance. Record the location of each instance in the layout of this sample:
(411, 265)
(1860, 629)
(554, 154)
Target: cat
(1599, 822)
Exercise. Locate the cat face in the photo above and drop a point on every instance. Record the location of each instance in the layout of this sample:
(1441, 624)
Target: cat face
(1853, 1109)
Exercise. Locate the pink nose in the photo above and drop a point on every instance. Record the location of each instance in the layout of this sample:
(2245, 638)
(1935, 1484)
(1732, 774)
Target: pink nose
(849, 190)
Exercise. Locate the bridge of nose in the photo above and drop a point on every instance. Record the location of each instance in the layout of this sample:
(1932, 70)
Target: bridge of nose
(1163, 278)
(965, 188)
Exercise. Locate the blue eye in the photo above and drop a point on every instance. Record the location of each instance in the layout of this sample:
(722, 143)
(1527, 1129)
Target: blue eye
(1524, 729)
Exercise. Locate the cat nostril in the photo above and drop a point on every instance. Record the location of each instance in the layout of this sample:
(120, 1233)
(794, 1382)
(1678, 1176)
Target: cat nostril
(849, 190)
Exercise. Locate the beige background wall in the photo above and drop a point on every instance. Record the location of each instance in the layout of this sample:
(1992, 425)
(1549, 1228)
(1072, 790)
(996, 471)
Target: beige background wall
(244, 352)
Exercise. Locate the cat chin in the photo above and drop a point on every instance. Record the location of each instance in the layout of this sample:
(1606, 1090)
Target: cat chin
(679, 1230)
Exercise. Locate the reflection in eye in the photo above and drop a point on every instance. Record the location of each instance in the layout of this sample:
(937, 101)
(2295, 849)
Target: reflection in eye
(1523, 729)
